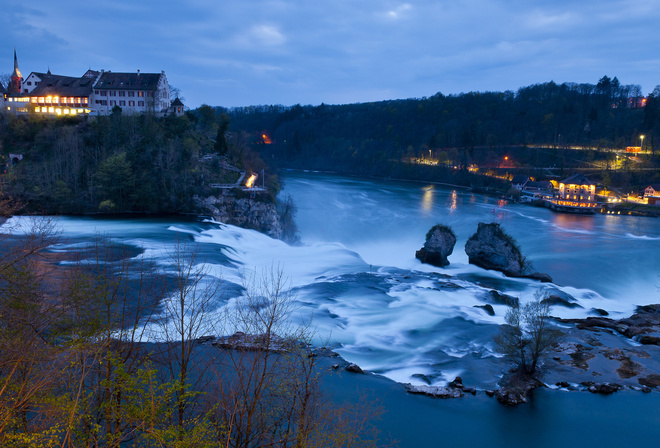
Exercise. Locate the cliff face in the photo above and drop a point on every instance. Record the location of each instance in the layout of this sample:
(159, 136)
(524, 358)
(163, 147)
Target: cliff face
(244, 212)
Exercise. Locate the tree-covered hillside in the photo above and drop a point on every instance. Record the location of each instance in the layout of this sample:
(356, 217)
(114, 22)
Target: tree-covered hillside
(117, 163)
(456, 130)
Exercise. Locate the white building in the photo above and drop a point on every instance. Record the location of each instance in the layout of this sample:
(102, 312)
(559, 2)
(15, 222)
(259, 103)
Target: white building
(94, 93)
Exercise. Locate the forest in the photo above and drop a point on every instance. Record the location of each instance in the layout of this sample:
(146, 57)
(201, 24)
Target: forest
(118, 163)
(542, 125)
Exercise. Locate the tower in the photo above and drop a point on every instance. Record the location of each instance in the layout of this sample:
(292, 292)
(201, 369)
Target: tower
(16, 77)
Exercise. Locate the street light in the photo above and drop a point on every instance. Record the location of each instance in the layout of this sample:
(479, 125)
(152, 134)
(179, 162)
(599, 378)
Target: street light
(641, 144)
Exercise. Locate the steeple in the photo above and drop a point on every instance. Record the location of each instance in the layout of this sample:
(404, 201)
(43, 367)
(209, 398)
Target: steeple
(16, 77)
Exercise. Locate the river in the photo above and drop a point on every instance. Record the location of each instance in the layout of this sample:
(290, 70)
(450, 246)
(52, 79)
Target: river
(356, 277)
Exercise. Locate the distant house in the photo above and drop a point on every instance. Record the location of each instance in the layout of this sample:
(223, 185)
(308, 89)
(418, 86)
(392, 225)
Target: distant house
(652, 190)
(177, 107)
(519, 181)
(133, 92)
(544, 185)
(53, 94)
(576, 194)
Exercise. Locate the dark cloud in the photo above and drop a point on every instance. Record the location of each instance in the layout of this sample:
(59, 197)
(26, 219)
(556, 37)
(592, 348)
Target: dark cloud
(284, 51)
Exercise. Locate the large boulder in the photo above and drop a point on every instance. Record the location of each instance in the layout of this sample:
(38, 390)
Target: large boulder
(439, 245)
(491, 248)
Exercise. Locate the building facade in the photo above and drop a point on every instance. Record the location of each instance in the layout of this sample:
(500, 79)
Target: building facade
(94, 93)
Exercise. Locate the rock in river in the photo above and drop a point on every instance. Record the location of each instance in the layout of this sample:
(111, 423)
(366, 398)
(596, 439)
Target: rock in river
(439, 245)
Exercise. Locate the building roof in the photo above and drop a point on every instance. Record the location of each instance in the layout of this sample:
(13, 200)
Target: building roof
(519, 179)
(542, 184)
(2, 89)
(62, 85)
(656, 187)
(128, 81)
(177, 102)
(577, 179)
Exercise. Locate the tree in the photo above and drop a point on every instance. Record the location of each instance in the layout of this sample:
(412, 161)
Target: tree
(220, 139)
(115, 179)
(527, 335)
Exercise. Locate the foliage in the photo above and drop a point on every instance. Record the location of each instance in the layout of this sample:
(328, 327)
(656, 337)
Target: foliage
(527, 335)
(442, 228)
(437, 138)
(120, 163)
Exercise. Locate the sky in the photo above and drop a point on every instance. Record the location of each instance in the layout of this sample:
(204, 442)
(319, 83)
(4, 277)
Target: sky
(252, 52)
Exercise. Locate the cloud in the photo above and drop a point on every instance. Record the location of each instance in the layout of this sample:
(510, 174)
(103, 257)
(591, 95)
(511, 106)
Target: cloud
(398, 12)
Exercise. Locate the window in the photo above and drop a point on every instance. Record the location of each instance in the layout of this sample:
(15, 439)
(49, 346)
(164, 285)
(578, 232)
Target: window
(104, 93)
(131, 103)
(122, 102)
(113, 102)
(104, 102)
(141, 103)
(140, 94)
(122, 93)
(96, 92)
(131, 93)
(85, 100)
(113, 93)
(29, 83)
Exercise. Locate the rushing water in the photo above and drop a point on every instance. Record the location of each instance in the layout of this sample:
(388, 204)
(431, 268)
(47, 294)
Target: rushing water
(356, 275)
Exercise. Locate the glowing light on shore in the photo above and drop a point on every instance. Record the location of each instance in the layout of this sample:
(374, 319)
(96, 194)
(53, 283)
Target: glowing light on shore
(250, 182)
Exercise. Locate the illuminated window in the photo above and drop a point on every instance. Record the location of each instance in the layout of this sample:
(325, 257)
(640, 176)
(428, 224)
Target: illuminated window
(36, 109)
(84, 100)
(51, 110)
(41, 99)
(49, 99)
(131, 103)
(56, 99)
(66, 111)
(140, 94)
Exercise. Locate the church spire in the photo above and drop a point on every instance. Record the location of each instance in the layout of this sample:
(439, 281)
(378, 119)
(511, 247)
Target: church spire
(16, 77)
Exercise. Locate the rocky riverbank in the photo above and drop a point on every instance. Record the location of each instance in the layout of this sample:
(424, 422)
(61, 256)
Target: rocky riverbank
(248, 212)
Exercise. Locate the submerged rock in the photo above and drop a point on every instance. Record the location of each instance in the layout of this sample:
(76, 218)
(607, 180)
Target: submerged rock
(439, 245)
(354, 368)
(488, 308)
(435, 391)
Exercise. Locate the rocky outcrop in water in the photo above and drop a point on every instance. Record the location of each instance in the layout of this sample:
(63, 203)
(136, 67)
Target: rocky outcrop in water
(439, 245)
(249, 213)
(644, 325)
(491, 248)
